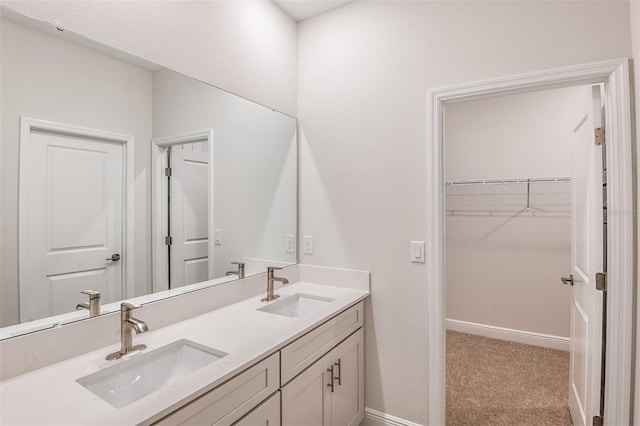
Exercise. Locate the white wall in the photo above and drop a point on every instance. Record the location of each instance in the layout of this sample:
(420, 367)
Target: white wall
(254, 165)
(50, 79)
(364, 73)
(635, 39)
(505, 270)
(246, 47)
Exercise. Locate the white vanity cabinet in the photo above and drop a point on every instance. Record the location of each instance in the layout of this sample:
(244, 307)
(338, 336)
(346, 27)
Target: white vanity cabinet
(322, 373)
(330, 391)
(316, 380)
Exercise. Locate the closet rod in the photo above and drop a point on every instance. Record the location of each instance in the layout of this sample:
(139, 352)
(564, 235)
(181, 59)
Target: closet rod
(498, 181)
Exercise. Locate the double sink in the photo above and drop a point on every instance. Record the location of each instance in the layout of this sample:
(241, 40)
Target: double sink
(134, 378)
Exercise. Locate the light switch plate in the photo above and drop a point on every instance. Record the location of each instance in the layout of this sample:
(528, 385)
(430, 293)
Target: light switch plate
(290, 243)
(308, 245)
(417, 252)
(217, 237)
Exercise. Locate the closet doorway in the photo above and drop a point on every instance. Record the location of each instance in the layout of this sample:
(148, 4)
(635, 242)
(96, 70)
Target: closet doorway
(620, 278)
(508, 203)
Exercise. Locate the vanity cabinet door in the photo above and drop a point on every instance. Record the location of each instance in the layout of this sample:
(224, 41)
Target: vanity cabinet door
(347, 400)
(306, 400)
(314, 399)
(265, 414)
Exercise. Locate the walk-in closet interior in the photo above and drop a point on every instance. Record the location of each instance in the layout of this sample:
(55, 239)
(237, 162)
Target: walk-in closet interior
(508, 185)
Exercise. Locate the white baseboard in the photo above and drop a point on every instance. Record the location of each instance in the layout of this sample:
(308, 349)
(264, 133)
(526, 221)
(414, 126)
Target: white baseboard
(377, 418)
(519, 336)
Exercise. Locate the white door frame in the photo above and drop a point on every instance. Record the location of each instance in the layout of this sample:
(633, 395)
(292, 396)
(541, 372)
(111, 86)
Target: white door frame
(160, 192)
(615, 74)
(27, 125)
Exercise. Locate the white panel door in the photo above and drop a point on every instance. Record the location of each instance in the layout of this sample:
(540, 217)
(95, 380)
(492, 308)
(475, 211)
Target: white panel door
(188, 216)
(587, 249)
(72, 213)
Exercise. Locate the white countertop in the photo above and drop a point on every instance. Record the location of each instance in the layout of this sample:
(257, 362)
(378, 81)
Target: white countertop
(51, 395)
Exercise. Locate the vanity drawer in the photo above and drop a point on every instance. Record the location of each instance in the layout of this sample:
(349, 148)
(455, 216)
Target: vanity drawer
(231, 400)
(267, 413)
(303, 352)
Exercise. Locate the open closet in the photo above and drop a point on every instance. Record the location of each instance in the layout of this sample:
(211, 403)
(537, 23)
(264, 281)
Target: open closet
(508, 203)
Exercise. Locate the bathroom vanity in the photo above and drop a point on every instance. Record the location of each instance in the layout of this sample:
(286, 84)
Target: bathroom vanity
(316, 379)
(298, 359)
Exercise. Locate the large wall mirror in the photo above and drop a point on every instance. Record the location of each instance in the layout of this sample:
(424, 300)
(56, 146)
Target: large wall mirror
(129, 179)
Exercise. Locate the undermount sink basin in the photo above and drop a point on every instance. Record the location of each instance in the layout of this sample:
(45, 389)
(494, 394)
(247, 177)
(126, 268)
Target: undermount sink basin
(135, 378)
(297, 305)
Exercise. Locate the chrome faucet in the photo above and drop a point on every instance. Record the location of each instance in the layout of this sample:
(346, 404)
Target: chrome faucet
(128, 324)
(239, 272)
(270, 280)
(93, 305)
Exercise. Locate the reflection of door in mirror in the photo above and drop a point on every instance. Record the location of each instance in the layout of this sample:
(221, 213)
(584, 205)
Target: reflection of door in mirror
(87, 84)
(71, 221)
(188, 224)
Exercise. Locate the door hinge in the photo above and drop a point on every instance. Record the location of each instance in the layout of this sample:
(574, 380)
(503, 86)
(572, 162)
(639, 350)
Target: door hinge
(168, 240)
(167, 172)
(598, 421)
(600, 139)
(601, 281)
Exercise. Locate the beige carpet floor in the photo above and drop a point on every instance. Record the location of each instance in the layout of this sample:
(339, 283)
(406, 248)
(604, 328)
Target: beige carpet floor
(495, 382)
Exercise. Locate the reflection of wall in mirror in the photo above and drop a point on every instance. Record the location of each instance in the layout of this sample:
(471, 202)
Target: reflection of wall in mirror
(47, 78)
(255, 164)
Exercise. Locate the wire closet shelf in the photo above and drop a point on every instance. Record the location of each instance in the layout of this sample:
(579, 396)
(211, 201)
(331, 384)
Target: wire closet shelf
(543, 195)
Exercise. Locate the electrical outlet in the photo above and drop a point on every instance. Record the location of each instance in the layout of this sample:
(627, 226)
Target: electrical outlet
(308, 245)
(290, 243)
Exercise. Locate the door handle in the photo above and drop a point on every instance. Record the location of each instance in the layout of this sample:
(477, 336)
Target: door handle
(114, 257)
(566, 280)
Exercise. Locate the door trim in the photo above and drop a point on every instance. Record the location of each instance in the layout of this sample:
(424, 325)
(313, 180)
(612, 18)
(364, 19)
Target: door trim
(160, 192)
(615, 74)
(27, 124)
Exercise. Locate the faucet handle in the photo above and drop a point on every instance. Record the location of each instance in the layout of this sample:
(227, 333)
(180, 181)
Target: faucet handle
(92, 294)
(273, 268)
(128, 306)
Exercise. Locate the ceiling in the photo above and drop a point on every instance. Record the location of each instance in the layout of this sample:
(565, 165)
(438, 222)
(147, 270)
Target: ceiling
(303, 9)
